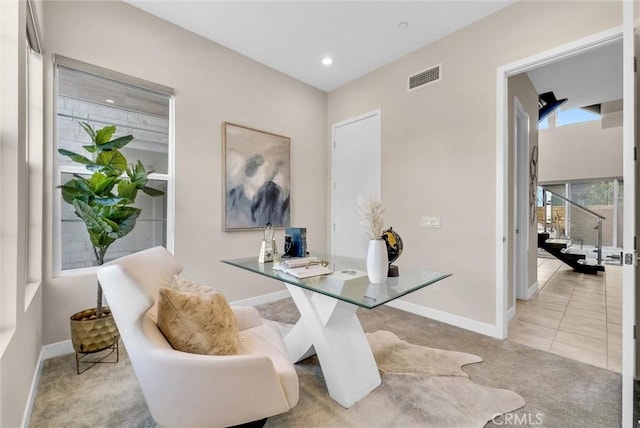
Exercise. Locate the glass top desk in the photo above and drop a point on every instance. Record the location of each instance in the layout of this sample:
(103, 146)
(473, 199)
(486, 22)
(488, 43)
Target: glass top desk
(328, 325)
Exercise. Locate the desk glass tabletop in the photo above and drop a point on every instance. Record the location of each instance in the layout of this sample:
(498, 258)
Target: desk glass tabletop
(349, 281)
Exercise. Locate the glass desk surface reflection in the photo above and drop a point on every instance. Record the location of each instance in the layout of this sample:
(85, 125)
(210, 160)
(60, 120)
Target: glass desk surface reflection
(349, 281)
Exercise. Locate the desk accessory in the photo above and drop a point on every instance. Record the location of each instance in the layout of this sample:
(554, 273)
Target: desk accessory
(268, 248)
(394, 250)
(295, 241)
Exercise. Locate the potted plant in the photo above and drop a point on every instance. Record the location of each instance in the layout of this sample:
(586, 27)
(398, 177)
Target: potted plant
(103, 201)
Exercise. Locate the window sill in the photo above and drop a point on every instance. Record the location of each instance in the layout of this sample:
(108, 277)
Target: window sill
(5, 338)
(30, 292)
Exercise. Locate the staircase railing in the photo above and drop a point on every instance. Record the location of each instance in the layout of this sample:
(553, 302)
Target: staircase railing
(599, 217)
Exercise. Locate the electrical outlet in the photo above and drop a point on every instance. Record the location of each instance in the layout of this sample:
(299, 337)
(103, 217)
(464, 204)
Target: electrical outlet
(430, 222)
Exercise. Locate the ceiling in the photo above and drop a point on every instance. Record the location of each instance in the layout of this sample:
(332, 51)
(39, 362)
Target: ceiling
(361, 36)
(590, 78)
(294, 36)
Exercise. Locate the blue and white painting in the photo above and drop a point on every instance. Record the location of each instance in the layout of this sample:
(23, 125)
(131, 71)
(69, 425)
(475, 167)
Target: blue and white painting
(256, 177)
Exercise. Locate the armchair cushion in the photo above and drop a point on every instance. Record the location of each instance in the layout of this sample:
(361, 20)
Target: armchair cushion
(197, 322)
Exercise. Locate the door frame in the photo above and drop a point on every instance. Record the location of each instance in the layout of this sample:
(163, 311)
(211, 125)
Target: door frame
(622, 32)
(373, 113)
(521, 204)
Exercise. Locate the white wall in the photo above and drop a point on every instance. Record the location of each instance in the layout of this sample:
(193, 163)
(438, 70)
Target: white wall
(439, 142)
(588, 150)
(212, 84)
(20, 302)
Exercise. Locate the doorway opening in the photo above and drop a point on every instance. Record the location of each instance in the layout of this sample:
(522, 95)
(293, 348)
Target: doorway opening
(505, 236)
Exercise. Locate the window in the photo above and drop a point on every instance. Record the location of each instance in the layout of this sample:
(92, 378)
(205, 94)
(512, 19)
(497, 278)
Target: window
(101, 97)
(576, 115)
(544, 124)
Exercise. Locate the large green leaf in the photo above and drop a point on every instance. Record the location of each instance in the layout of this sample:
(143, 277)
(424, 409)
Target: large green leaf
(102, 184)
(113, 161)
(96, 225)
(109, 201)
(138, 175)
(75, 157)
(116, 144)
(89, 130)
(152, 192)
(70, 193)
(82, 183)
(125, 218)
(104, 135)
(127, 189)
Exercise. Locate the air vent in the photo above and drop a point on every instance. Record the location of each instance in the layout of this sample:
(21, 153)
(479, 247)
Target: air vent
(425, 77)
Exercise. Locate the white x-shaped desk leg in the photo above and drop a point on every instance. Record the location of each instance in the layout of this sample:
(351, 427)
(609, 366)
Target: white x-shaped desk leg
(330, 327)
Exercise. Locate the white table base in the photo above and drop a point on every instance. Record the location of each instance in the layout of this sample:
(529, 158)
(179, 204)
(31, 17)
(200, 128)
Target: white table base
(329, 327)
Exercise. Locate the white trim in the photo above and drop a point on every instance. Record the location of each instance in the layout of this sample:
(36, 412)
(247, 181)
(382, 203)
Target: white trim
(56, 349)
(511, 313)
(33, 388)
(629, 167)
(171, 180)
(47, 351)
(502, 73)
(532, 290)
(520, 206)
(446, 317)
(262, 299)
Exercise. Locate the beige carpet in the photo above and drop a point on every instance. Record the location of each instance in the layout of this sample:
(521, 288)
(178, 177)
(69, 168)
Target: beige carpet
(421, 387)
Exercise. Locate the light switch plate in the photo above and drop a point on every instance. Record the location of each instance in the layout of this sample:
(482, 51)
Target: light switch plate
(430, 222)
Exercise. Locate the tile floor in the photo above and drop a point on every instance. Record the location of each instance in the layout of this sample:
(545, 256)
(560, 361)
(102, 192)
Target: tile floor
(575, 315)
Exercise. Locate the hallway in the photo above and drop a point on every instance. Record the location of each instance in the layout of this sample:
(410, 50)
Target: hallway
(575, 315)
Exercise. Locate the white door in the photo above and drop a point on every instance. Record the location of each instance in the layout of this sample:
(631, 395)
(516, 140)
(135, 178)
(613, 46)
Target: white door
(629, 173)
(521, 245)
(357, 163)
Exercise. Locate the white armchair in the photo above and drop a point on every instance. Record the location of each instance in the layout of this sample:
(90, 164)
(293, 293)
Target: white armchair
(189, 390)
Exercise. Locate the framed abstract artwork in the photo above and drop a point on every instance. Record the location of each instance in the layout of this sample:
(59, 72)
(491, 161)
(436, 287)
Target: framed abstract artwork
(256, 178)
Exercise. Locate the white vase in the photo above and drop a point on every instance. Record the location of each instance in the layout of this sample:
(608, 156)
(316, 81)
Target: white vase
(377, 261)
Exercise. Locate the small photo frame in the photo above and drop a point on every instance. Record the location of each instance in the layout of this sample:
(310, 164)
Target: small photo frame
(256, 178)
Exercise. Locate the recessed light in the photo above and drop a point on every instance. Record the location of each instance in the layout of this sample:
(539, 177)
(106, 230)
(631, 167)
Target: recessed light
(403, 25)
(110, 101)
(327, 60)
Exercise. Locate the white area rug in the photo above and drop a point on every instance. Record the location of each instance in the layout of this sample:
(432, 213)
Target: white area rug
(421, 387)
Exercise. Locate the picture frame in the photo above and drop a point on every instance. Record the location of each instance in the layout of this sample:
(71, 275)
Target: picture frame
(256, 178)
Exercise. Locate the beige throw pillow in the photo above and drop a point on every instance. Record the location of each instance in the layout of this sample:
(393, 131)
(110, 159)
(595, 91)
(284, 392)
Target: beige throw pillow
(197, 322)
(182, 284)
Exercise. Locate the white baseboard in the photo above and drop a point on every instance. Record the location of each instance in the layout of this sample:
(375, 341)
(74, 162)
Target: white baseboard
(56, 349)
(445, 317)
(259, 300)
(511, 313)
(533, 289)
(46, 352)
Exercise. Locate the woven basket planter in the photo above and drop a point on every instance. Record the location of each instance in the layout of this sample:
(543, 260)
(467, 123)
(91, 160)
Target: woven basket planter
(90, 334)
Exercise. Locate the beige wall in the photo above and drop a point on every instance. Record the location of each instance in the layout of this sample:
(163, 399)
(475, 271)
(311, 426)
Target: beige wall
(588, 150)
(439, 142)
(520, 87)
(212, 84)
(20, 304)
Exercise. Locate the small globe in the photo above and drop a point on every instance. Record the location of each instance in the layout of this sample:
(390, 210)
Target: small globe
(394, 244)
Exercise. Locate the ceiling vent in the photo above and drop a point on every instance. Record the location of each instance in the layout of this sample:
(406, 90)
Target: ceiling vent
(418, 80)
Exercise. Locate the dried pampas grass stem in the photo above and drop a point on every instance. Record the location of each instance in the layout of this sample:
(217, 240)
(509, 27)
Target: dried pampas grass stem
(371, 216)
